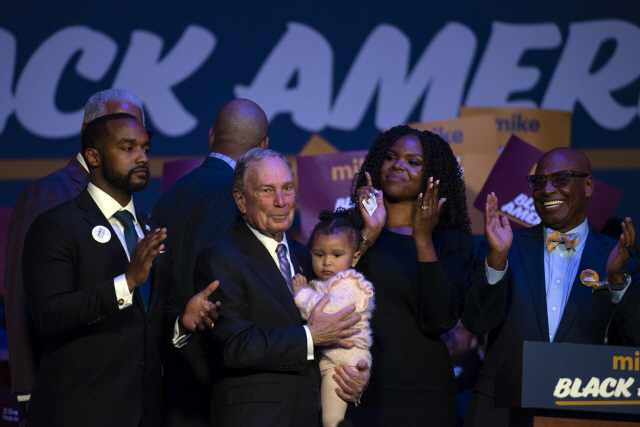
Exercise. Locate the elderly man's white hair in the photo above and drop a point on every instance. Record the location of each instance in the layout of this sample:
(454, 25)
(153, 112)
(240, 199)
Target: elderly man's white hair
(96, 104)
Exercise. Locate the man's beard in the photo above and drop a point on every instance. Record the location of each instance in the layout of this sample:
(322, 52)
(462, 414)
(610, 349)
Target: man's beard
(124, 182)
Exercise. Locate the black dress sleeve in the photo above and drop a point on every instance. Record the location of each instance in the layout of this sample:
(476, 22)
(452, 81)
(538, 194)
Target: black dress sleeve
(485, 304)
(444, 283)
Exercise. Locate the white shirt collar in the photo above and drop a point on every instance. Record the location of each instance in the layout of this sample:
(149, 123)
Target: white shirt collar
(82, 162)
(224, 158)
(108, 205)
(270, 243)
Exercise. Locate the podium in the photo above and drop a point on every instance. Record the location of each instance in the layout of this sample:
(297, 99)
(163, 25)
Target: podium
(562, 384)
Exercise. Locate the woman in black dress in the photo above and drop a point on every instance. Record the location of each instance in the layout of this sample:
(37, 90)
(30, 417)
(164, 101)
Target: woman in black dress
(419, 258)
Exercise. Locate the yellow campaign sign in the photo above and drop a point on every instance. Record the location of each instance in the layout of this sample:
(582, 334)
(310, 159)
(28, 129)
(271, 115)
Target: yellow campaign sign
(544, 129)
(475, 134)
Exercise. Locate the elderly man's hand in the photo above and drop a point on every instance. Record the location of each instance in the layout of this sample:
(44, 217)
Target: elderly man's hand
(352, 382)
(328, 329)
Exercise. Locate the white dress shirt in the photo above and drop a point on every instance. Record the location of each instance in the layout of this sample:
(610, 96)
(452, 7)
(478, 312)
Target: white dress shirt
(271, 246)
(108, 206)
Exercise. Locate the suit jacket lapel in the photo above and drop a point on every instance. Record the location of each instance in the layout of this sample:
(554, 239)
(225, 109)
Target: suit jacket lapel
(596, 250)
(95, 217)
(261, 262)
(530, 246)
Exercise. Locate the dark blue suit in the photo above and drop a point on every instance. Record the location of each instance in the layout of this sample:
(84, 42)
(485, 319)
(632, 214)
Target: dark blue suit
(258, 342)
(101, 364)
(197, 209)
(515, 309)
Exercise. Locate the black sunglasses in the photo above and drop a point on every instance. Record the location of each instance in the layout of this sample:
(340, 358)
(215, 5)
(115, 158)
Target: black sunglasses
(557, 179)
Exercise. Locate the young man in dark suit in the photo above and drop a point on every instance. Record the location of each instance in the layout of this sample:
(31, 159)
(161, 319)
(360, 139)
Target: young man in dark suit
(197, 210)
(530, 289)
(267, 370)
(96, 276)
(37, 197)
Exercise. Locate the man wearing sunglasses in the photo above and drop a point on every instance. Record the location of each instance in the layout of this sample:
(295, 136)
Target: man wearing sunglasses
(527, 286)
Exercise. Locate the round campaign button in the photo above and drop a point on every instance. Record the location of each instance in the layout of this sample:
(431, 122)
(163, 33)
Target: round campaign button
(589, 278)
(101, 234)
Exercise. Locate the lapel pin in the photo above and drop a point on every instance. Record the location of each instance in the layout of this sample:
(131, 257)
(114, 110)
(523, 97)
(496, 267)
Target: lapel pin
(146, 227)
(101, 234)
(591, 279)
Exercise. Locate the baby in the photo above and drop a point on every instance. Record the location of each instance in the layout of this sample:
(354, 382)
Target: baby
(334, 246)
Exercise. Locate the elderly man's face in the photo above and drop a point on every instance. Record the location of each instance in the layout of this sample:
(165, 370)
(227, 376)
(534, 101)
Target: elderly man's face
(269, 198)
(563, 208)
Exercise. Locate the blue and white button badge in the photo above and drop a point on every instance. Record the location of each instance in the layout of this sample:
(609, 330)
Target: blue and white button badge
(101, 234)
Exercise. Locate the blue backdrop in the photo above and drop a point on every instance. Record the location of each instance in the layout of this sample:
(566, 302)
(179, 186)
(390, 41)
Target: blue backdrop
(342, 69)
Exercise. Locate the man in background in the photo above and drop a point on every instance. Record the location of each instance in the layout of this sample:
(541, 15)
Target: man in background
(37, 197)
(198, 209)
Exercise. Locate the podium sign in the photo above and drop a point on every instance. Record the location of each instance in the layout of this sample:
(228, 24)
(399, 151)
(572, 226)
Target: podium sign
(571, 377)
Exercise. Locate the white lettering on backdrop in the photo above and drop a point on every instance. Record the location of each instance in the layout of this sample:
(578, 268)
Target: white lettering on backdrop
(380, 70)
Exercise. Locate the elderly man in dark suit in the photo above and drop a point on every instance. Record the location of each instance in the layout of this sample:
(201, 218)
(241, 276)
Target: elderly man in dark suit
(198, 209)
(96, 276)
(531, 290)
(268, 375)
(37, 197)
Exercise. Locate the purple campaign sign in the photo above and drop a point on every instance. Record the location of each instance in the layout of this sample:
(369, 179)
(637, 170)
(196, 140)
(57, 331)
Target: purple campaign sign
(173, 171)
(324, 183)
(508, 180)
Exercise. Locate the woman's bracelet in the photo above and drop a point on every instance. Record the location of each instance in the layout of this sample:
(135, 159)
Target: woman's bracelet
(366, 241)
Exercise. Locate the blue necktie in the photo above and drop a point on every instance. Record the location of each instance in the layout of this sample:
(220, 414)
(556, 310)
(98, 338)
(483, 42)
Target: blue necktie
(131, 239)
(285, 268)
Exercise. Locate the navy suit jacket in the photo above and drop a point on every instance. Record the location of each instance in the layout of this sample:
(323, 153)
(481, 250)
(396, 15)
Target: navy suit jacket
(515, 309)
(38, 196)
(197, 209)
(101, 365)
(259, 344)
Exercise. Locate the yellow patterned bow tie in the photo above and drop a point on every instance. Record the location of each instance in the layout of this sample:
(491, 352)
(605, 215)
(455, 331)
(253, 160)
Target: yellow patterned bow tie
(555, 237)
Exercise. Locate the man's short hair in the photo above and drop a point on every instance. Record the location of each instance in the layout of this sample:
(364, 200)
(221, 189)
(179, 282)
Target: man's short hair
(250, 157)
(96, 104)
(97, 130)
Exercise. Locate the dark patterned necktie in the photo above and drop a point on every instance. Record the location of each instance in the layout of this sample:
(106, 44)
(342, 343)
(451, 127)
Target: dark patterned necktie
(131, 239)
(285, 267)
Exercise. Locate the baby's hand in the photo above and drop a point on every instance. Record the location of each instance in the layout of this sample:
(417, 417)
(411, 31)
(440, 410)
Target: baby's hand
(299, 282)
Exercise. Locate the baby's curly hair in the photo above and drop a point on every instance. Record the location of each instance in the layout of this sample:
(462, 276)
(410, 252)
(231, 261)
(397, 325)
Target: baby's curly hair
(439, 162)
(338, 222)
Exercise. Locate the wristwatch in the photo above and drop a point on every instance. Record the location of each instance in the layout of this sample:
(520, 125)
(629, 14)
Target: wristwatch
(619, 286)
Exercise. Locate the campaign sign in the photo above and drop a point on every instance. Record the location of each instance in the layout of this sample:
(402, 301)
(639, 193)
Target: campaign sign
(508, 180)
(173, 171)
(576, 377)
(475, 133)
(542, 128)
(324, 183)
